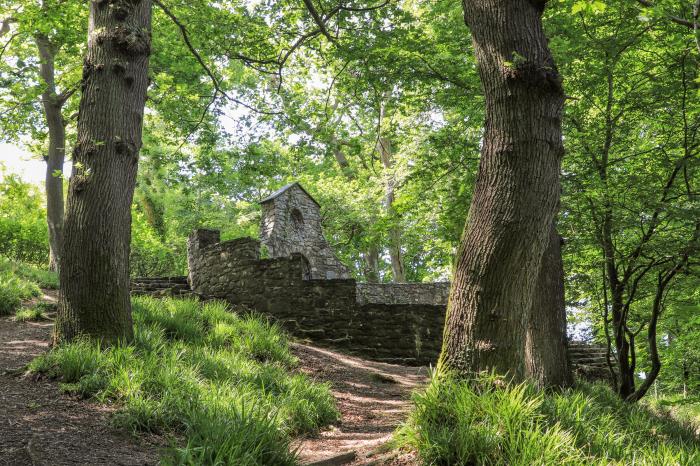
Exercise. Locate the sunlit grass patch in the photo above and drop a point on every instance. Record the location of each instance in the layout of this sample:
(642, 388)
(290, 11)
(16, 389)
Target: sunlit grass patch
(13, 290)
(20, 282)
(683, 409)
(31, 273)
(198, 370)
(31, 314)
(460, 422)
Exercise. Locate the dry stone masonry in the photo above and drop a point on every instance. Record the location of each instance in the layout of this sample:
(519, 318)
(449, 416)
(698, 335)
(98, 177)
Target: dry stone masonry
(291, 223)
(161, 286)
(403, 293)
(325, 311)
(302, 285)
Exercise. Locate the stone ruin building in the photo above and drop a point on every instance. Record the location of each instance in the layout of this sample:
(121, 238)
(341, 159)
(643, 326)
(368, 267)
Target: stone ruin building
(291, 223)
(303, 286)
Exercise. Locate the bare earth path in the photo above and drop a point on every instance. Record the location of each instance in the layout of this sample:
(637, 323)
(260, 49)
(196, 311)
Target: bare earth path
(373, 399)
(40, 426)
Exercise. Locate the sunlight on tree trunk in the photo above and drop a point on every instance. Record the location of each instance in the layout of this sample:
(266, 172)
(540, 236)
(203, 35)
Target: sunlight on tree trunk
(55, 156)
(94, 271)
(546, 359)
(516, 193)
(371, 264)
(386, 154)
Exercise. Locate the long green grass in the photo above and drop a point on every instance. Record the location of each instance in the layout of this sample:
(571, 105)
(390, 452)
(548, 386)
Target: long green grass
(224, 382)
(488, 422)
(30, 273)
(31, 314)
(677, 406)
(14, 290)
(19, 282)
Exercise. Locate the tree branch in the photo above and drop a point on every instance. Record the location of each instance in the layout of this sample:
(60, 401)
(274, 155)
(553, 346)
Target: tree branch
(7, 44)
(675, 19)
(65, 95)
(320, 22)
(215, 81)
(369, 8)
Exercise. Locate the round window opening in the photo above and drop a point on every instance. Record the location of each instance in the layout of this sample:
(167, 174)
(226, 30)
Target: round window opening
(297, 220)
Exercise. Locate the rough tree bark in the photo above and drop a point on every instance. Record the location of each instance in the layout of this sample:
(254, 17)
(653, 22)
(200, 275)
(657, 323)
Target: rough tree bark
(546, 358)
(387, 156)
(371, 262)
(53, 104)
(516, 192)
(94, 298)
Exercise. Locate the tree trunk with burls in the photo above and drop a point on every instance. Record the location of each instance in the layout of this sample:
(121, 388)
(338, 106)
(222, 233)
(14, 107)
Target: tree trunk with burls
(546, 359)
(95, 264)
(516, 192)
(53, 104)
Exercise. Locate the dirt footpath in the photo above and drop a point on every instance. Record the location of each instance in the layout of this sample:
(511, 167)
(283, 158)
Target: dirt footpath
(40, 426)
(373, 399)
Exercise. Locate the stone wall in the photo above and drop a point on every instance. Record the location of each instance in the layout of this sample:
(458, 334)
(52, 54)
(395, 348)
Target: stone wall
(160, 286)
(404, 293)
(326, 312)
(398, 333)
(291, 223)
(398, 323)
(199, 239)
(213, 266)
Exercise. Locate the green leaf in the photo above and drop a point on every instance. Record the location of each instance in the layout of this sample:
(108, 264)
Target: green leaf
(579, 7)
(598, 6)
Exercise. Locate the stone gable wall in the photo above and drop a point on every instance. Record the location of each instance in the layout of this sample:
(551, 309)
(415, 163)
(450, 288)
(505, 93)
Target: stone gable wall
(291, 223)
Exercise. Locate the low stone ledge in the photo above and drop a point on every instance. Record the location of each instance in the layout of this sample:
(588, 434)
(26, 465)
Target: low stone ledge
(403, 293)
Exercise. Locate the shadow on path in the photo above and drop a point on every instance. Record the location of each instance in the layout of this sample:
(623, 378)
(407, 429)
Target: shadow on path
(373, 399)
(41, 426)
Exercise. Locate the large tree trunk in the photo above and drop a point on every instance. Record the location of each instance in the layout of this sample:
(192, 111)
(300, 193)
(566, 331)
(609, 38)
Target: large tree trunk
(94, 271)
(55, 156)
(546, 360)
(387, 156)
(516, 192)
(371, 268)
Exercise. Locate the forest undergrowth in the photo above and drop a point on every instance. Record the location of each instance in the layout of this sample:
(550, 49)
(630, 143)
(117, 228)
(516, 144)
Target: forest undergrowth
(489, 422)
(223, 386)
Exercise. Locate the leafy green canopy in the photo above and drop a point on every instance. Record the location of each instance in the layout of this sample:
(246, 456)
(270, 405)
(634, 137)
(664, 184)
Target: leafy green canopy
(23, 230)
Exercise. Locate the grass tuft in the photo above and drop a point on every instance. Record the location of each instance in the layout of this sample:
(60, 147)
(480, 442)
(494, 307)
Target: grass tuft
(221, 380)
(19, 282)
(13, 290)
(35, 313)
(30, 273)
(462, 422)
